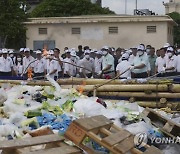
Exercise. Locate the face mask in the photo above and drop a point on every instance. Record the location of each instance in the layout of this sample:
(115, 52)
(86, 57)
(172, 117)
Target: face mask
(87, 56)
(140, 53)
(148, 51)
(18, 59)
(169, 54)
(105, 52)
(11, 55)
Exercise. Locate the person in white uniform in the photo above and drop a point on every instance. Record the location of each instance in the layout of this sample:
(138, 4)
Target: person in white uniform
(60, 72)
(52, 65)
(171, 62)
(178, 62)
(140, 63)
(88, 63)
(19, 64)
(98, 63)
(160, 63)
(28, 62)
(107, 64)
(69, 70)
(39, 66)
(124, 67)
(6, 64)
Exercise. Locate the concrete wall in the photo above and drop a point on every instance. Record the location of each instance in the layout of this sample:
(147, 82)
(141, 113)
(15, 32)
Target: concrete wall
(97, 35)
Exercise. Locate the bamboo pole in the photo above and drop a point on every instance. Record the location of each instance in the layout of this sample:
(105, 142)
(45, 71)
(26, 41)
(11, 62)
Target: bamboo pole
(175, 88)
(139, 94)
(128, 88)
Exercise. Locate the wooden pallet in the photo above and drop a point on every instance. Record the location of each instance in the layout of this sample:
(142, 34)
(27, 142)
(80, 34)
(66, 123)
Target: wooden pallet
(166, 125)
(52, 144)
(105, 133)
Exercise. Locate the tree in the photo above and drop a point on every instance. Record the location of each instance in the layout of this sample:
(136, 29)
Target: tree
(12, 29)
(65, 8)
(176, 17)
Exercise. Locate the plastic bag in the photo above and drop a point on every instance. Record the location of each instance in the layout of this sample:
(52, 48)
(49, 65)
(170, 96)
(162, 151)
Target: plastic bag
(3, 96)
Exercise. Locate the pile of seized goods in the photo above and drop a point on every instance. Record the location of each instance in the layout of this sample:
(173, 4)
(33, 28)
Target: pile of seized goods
(31, 111)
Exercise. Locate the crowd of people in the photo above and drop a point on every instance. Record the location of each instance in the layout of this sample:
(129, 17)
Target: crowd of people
(137, 62)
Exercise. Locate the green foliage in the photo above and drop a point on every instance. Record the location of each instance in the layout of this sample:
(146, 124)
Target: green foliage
(12, 16)
(65, 8)
(176, 17)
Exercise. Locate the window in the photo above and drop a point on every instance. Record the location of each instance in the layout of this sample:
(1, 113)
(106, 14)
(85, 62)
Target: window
(42, 30)
(151, 29)
(113, 30)
(76, 30)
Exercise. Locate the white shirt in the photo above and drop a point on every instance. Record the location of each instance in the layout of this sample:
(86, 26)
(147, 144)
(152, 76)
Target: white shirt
(108, 60)
(171, 62)
(69, 68)
(122, 67)
(26, 62)
(131, 59)
(97, 65)
(178, 63)
(19, 68)
(51, 66)
(138, 60)
(40, 66)
(5, 64)
(160, 63)
(88, 64)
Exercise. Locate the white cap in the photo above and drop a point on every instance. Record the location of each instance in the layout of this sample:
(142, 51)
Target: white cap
(166, 45)
(38, 52)
(11, 51)
(170, 49)
(26, 49)
(67, 51)
(73, 49)
(4, 51)
(125, 56)
(21, 49)
(129, 51)
(112, 49)
(51, 52)
(87, 52)
(94, 50)
(73, 53)
(140, 47)
(105, 47)
(99, 52)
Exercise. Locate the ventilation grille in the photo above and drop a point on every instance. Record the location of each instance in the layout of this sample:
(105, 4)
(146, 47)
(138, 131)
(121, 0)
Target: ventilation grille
(76, 30)
(42, 30)
(113, 30)
(151, 29)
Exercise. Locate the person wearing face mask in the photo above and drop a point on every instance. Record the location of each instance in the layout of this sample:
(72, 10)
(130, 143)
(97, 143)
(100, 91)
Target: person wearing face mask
(69, 70)
(88, 63)
(6, 64)
(19, 64)
(161, 63)
(140, 63)
(98, 63)
(51, 65)
(11, 55)
(39, 66)
(171, 62)
(123, 66)
(107, 65)
(27, 62)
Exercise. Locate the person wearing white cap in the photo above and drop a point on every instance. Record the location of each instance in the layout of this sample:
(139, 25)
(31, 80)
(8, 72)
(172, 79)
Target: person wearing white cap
(27, 62)
(19, 64)
(52, 65)
(21, 51)
(161, 63)
(60, 72)
(88, 63)
(98, 63)
(123, 66)
(171, 62)
(140, 63)
(107, 65)
(6, 64)
(69, 70)
(11, 55)
(178, 62)
(39, 66)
